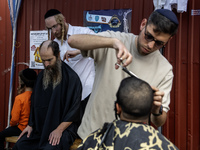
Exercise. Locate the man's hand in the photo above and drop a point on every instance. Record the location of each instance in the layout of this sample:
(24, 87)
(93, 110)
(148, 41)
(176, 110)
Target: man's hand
(71, 54)
(157, 100)
(28, 129)
(122, 53)
(54, 137)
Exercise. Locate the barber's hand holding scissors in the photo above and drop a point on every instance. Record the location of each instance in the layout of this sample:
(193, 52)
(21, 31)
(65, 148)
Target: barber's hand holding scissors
(122, 54)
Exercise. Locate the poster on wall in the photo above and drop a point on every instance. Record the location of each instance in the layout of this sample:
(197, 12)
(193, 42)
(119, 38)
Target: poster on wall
(36, 38)
(102, 20)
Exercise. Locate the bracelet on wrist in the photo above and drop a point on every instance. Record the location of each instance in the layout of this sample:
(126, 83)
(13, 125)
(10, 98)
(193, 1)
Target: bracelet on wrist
(160, 111)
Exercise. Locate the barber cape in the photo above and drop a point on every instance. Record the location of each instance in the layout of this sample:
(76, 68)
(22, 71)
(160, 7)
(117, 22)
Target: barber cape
(50, 107)
(120, 135)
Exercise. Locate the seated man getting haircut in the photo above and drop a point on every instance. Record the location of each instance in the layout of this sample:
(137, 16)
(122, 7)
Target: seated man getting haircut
(133, 106)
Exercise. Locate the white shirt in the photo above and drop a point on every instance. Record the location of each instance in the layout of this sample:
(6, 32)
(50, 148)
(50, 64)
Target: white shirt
(84, 67)
(180, 5)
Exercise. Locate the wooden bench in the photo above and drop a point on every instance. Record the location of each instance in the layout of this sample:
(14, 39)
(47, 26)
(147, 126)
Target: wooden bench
(12, 139)
(75, 145)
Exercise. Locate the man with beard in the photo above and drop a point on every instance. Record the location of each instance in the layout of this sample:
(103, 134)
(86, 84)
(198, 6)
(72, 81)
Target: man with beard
(84, 67)
(147, 63)
(55, 105)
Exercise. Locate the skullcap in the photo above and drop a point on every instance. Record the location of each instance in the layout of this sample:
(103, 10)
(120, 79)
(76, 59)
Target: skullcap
(51, 12)
(168, 14)
(28, 76)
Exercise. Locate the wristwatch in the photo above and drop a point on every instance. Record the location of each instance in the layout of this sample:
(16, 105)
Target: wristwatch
(160, 111)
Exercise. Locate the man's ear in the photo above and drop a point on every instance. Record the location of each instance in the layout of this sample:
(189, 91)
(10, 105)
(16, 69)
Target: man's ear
(119, 108)
(168, 41)
(143, 24)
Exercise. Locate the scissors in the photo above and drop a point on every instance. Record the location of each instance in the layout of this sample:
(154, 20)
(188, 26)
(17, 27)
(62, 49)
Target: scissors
(126, 70)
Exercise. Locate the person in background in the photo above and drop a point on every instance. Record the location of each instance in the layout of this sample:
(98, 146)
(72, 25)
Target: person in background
(21, 107)
(109, 49)
(133, 106)
(55, 105)
(84, 67)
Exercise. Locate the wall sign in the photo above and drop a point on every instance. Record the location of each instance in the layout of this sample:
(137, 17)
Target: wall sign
(195, 12)
(36, 38)
(102, 20)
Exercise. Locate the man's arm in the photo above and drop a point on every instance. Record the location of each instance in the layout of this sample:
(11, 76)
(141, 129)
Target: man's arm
(15, 113)
(162, 97)
(90, 42)
(55, 135)
(158, 120)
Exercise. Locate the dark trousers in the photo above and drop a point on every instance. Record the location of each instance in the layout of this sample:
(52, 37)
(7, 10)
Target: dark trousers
(10, 131)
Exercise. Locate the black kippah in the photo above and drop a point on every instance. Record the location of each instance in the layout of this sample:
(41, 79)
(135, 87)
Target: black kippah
(168, 14)
(28, 76)
(51, 12)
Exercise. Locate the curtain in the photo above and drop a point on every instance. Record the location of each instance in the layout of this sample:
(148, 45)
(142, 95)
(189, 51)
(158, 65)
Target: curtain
(14, 6)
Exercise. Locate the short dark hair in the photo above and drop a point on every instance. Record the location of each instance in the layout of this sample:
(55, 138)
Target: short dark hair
(135, 96)
(54, 46)
(162, 24)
